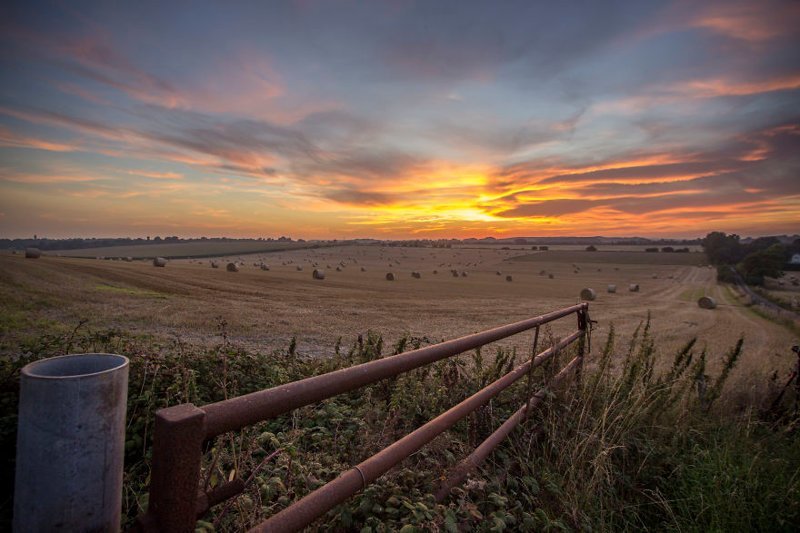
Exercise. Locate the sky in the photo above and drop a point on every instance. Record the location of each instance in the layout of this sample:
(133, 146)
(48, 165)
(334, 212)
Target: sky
(399, 119)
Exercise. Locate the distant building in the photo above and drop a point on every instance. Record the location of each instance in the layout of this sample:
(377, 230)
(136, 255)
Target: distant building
(795, 260)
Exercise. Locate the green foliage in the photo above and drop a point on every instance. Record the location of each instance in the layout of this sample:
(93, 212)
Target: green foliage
(762, 263)
(629, 448)
(721, 248)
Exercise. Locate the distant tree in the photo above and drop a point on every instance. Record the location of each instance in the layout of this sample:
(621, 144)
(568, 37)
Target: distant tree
(544, 247)
(764, 263)
(591, 248)
(651, 250)
(722, 249)
(762, 243)
(667, 249)
(534, 247)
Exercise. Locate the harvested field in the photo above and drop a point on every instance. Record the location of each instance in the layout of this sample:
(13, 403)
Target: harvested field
(615, 257)
(185, 249)
(265, 309)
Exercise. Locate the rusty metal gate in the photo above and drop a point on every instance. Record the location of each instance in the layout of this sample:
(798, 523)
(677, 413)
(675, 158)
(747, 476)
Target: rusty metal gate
(176, 501)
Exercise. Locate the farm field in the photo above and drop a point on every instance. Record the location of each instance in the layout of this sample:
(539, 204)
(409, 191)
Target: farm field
(184, 249)
(263, 310)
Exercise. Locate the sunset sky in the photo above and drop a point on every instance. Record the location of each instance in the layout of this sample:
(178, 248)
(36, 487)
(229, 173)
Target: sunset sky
(397, 119)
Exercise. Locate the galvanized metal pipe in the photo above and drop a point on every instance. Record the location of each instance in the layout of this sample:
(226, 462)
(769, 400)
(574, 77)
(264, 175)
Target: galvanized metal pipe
(71, 443)
(236, 413)
(309, 508)
(460, 472)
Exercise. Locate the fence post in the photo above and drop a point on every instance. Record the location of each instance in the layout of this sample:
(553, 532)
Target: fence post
(177, 451)
(583, 324)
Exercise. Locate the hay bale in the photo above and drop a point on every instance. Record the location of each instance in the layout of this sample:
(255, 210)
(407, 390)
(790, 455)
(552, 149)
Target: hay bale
(363, 269)
(389, 276)
(129, 259)
(509, 278)
(338, 269)
(633, 287)
(588, 294)
(435, 271)
(542, 272)
(455, 273)
(706, 302)
(499, 273)
(318, 274)
(612, 288)
(232, 267)
(214, 264)
(264, 267)
(463, 274)
(33, 253)
(416, 275)
(159, 262)
(550, 276)
(299, 268)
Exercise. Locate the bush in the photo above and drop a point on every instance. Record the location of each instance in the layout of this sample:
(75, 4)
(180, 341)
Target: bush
(627, 448)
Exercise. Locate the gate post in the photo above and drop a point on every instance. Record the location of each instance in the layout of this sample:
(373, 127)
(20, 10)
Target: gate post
(175, 470)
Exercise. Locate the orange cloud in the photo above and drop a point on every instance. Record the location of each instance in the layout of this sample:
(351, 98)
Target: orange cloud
(13, 140)
(157, 175)
(723, 87)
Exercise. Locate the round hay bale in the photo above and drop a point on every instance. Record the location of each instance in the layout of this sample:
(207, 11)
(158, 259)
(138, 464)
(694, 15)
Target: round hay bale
(455, 273)
(499, 273)
(318, 274)
(416, 275)
(612, 288)
(633, 287)
(159, 262)
(463, 274)
(214, 264)
(299, 268)
(33, 253)
(551, 276)
(363, 269)
(588, 294)
(129, 259)
(338, 269)
(232, 267)
(14, 252)
(655, 276)
(509, 278)
(389, 276)
(706, 302)
(264, 267)
(435, 271)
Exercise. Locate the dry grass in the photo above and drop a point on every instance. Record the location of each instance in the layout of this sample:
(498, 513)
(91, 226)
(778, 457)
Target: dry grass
(183, 249)
(267, 308)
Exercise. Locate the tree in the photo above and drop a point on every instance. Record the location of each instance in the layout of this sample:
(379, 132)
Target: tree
(763, 263)
(591, 248)
(722, 249)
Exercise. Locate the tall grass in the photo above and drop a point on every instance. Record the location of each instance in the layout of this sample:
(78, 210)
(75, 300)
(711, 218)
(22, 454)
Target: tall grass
(628, 447)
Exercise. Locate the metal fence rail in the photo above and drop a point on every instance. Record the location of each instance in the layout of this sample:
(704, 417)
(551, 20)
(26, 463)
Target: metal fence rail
(175, 499)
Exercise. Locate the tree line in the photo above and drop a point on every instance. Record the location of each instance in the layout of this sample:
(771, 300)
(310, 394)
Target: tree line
(755, 260)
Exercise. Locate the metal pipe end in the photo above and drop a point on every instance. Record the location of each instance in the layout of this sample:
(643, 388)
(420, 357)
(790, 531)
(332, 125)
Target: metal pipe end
(75, 366)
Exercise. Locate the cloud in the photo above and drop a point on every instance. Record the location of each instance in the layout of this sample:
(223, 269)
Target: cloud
(15, 140)
(157, 175)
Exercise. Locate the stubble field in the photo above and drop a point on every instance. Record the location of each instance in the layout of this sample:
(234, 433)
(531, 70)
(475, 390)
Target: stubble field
(263, 310)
